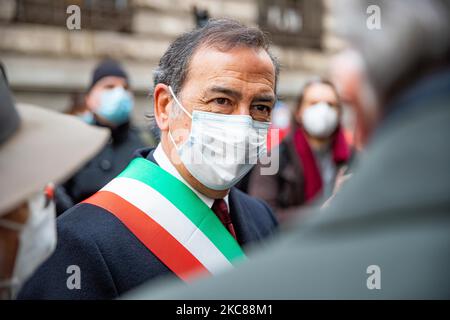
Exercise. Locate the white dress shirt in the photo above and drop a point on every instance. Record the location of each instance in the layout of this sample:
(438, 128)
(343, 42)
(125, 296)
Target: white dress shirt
(164, 162)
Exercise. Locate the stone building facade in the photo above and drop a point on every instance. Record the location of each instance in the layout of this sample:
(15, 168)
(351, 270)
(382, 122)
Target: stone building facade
(46, 62)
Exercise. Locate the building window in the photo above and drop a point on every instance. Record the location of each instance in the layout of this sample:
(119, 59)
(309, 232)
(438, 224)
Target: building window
(292, 22)
(95, 14)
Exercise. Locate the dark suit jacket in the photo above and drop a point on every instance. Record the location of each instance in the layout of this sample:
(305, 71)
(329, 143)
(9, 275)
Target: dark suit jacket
(112, 260)
(393, 213)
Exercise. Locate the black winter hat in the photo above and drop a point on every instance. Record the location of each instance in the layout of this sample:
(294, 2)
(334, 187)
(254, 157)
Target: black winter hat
(107, 68)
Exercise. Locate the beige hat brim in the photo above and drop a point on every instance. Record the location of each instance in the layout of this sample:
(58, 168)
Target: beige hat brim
(47, 147)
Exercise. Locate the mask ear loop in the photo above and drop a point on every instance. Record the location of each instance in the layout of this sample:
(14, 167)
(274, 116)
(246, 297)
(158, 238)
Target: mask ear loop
(179, 103)
(182, 108)
(173, 141)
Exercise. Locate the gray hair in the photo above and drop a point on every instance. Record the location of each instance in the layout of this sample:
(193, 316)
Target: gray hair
(223, 34)
(414, 35)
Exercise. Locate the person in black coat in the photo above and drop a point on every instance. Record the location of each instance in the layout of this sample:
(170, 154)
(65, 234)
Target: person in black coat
(109, 104)
(167, 214)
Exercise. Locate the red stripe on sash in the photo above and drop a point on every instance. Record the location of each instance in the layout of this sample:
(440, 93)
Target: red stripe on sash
(159, 241)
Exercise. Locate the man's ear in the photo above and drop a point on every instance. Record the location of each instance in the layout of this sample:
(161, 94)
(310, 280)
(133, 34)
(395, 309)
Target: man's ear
(162, 99)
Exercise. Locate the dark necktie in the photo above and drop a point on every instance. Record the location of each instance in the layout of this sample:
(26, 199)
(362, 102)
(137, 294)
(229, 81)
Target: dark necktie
(220, 208)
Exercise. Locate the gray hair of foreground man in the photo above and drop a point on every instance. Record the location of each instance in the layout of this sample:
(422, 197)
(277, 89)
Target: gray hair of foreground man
(413, 38)
(222, 34)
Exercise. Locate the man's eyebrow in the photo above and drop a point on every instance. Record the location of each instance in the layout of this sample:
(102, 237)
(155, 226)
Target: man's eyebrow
(264, 98)
(229, 92)
(238, 95)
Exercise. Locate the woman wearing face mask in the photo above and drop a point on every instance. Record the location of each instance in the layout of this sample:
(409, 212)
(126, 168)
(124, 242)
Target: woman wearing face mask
(107, 103)
(310, 156)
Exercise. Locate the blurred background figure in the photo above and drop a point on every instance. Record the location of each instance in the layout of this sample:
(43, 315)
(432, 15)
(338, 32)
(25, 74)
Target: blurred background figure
(32, 156)
(77, 105)
(348, 73)
(108, 103)
(281, 121)
(201, 16)
(310, 156)
(386, 234)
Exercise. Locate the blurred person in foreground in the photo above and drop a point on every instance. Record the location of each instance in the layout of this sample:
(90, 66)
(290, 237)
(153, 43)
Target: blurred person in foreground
(109, 104)
(347, 71)
(174, 210)
(386, 235)
(37, 147)
(310, 156)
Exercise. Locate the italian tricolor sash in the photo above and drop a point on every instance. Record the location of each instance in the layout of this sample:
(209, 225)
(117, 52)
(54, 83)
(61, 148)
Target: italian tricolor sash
(169, 219)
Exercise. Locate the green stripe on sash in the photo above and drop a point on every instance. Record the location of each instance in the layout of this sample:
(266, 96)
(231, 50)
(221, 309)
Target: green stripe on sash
(182, 197)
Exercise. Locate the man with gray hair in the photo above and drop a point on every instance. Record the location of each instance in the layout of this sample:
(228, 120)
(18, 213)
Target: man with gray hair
(173, 210)
(386, 235)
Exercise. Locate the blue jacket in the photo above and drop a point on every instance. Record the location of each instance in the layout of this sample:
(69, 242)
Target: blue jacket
(112, 260)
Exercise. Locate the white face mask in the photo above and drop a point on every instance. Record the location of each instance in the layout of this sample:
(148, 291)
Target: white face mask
(37, 241)
(320, 120)
(221, 148)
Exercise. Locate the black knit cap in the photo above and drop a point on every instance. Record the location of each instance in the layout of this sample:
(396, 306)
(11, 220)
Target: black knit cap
(108, 68)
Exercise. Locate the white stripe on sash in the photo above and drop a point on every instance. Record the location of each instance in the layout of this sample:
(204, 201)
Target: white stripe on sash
(168, 216)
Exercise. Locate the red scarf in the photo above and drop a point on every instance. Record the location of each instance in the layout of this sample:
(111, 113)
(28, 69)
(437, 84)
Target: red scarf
(313, 179)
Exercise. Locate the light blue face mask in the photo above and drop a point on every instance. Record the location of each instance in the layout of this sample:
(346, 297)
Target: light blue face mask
(115, 105)
(87, 117)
